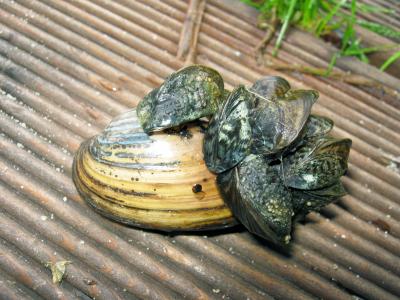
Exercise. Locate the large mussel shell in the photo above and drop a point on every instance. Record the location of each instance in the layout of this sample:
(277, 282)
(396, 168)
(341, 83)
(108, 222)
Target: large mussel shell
(158, 181)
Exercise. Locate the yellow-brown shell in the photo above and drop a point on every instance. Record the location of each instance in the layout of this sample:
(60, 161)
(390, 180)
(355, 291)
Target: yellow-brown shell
(148, 181)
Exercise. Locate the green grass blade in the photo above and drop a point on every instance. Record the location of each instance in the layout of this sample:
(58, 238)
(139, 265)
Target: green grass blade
(368, 50)
(332, 63)
(328, 17)
(380, 29)
(309, 9)
(368, 8)
(390, 60)
(349, 32)
(371, 8)
(257, 5)
(285, 25)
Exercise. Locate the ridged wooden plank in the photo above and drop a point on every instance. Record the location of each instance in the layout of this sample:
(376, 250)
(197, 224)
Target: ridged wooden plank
(67, 67)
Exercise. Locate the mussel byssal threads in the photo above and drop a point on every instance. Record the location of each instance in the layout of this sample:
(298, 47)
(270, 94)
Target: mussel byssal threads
(262, 158)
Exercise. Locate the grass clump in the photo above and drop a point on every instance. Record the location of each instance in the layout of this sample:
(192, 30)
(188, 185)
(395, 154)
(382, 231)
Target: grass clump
(324, 18)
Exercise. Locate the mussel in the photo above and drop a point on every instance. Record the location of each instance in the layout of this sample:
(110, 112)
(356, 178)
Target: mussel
(186, 95)
(157, 181)
(194, 156)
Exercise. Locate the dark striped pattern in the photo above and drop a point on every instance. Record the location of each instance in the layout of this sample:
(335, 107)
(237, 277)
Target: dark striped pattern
(67, 67)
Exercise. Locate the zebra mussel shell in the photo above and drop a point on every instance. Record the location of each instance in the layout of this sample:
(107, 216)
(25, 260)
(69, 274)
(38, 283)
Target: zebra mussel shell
(158, 181)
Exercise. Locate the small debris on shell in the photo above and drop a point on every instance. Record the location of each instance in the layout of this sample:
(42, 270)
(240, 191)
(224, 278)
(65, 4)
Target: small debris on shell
(197, 188)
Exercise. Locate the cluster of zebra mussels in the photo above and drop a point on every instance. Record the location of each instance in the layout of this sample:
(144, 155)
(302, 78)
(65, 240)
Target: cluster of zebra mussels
(273, 161)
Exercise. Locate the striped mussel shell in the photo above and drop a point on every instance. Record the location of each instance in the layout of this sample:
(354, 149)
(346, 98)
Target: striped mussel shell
(158, 181)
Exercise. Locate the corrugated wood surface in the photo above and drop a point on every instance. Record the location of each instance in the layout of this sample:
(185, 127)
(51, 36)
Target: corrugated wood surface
(68, 67)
